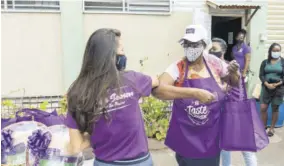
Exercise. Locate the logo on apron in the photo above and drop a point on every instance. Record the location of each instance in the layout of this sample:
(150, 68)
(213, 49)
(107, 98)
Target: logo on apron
(197, 113)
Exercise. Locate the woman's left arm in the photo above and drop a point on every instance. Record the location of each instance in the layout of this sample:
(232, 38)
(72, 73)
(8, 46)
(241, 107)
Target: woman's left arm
(247, 52)
(282, 78)
(230, 73)
(232, 78)
(78, 141)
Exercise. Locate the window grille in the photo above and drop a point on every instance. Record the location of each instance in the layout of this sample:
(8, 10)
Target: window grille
(128, 6)
(30, 5)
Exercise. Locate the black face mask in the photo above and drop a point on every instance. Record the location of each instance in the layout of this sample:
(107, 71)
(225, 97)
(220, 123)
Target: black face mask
(121, 62)
(217, 54)
(240, 41)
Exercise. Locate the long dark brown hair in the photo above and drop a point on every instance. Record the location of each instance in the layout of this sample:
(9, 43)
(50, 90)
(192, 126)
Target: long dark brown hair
(270, 50)
(98, 73)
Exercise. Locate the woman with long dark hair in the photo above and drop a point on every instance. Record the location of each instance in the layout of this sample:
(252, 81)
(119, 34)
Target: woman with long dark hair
(103, 102)
(272, 77)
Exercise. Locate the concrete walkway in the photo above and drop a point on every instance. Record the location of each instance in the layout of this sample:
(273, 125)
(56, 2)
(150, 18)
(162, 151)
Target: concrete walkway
(273, 155)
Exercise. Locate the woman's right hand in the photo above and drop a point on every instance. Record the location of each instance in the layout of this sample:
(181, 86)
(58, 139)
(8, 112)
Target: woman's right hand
(269, 86)
(204, 96)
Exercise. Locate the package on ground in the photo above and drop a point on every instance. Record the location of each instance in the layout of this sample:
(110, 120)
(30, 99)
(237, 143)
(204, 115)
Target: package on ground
(56, 152)
(14, 139)
(36, 139)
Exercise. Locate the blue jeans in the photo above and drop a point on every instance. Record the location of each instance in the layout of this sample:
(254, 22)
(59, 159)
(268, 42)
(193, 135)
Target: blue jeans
(147, 162)
(249, 157)
(183, 161)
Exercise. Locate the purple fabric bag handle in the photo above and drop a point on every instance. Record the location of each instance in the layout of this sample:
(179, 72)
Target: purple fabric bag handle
(51, 120)
(35, 113)
(48, 119)
(7, 122)
(237, 93)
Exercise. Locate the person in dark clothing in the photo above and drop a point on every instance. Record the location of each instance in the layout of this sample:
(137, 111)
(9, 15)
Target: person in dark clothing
(272, 77)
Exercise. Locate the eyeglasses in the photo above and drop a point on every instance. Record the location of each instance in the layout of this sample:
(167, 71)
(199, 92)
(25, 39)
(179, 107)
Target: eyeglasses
(187, 43)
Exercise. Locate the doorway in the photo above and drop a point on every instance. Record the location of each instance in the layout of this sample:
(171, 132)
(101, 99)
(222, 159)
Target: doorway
(226, 28)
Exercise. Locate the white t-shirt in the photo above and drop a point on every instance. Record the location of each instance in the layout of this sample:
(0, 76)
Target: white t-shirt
(217, 66)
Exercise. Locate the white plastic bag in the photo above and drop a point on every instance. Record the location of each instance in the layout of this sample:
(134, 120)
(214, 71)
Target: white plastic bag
(14, 142)
(57, 151)
(256, 91)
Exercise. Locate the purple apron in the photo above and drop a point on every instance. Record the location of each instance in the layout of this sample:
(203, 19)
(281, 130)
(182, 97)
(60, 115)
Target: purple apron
(194, 127)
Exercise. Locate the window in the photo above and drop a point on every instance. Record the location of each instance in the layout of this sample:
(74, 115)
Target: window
(128, 6)
(30, 5)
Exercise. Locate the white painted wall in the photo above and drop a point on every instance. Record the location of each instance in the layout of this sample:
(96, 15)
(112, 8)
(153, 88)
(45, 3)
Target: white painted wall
(275, 24)
(155, 37)
(31, 53)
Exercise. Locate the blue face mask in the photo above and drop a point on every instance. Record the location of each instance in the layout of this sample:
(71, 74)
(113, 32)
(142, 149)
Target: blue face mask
(275, 55)
(121, 62)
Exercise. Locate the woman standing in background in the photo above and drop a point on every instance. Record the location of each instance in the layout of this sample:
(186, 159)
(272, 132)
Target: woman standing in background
(271, 74)
(241, 52)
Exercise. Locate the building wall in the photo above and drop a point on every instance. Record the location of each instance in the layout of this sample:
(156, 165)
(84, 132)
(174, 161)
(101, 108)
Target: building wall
(31, 53)
(275, 23)
(257, 26)
(155, 37)
(48, 48)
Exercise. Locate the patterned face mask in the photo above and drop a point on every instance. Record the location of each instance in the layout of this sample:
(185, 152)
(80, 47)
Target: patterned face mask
(193, 53)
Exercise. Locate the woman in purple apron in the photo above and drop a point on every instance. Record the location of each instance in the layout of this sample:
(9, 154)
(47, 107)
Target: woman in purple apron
(194, 127)
(103, 104)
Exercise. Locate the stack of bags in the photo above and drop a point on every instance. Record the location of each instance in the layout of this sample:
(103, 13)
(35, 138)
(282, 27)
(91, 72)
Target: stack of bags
(36, 138)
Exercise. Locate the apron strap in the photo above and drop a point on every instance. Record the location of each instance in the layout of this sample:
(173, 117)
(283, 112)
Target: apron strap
(186, 69)
(206, 65)
(208, 69)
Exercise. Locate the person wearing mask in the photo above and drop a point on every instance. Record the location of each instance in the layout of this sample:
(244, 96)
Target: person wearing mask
(219, 48)
(194, 126)
(104, 102)
(121, 59)
(241, 53)
(271, 74)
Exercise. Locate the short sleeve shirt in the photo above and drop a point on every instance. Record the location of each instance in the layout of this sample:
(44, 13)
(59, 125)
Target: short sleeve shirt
(123, 137)
(215, 64)
(239, 54)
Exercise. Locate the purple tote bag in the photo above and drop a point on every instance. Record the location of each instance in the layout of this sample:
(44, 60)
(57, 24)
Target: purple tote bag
(241, 128)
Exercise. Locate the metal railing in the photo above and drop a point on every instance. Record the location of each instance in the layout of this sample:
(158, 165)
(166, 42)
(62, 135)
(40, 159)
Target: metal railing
(30, 5)
(17, 103)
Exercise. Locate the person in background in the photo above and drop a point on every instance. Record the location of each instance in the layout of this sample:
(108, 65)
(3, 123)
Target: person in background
(103, 102)
(241, 53)
(194, 127)
(219, 48)
(271, 74)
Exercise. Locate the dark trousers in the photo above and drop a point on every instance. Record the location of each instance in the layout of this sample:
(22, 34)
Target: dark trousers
(183, 161)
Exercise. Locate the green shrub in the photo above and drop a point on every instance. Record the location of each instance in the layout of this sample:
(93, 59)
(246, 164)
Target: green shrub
(63, 106)
(156, 116)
